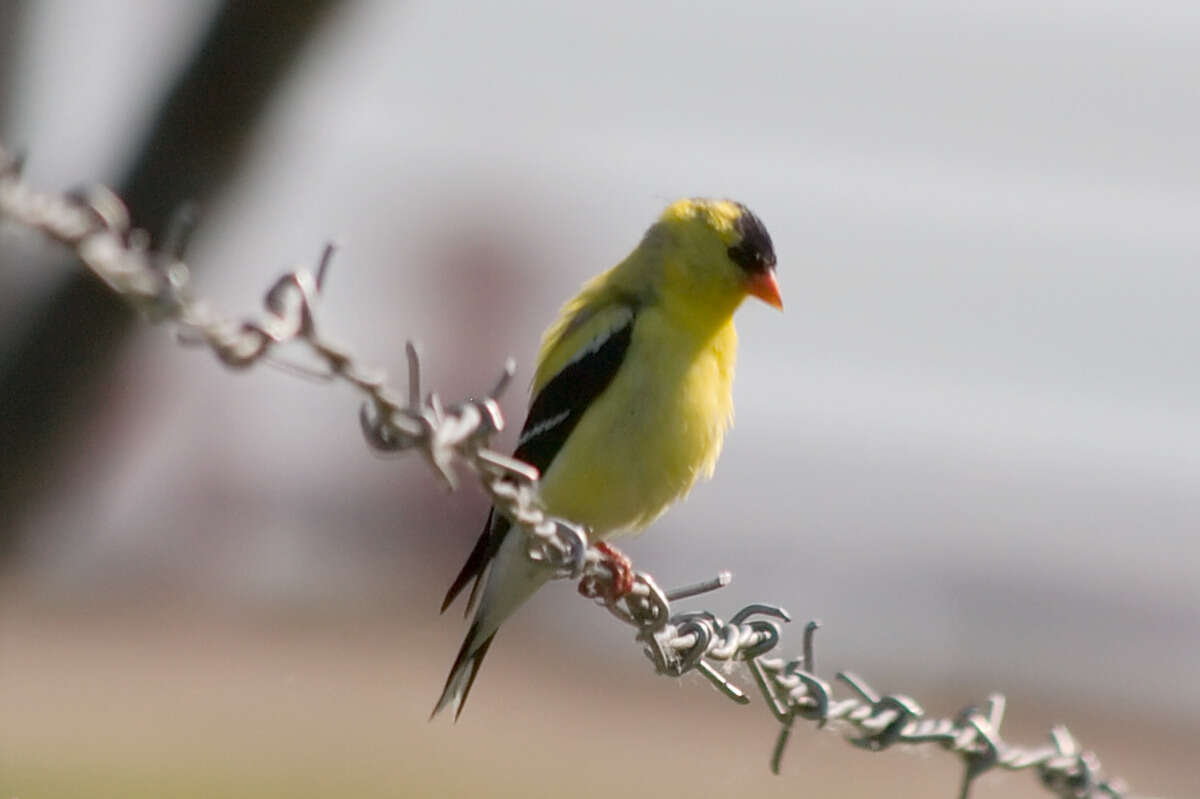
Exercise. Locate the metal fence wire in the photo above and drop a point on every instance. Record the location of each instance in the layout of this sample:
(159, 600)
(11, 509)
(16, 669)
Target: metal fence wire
(95, 225)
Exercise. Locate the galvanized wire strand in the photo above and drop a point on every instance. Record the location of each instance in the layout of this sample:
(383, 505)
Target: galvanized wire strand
(96, 226)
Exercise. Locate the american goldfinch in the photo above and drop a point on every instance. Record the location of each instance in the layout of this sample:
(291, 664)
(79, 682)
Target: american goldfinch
(630, 401)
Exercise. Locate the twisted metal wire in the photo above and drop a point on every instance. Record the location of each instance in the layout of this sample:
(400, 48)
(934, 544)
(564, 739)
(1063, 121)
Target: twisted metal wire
(96, 226)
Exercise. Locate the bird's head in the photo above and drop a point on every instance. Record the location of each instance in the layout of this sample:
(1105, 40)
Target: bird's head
(718, 248)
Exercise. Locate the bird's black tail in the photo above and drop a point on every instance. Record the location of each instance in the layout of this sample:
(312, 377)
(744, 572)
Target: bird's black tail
(463, 673)
(485, 549)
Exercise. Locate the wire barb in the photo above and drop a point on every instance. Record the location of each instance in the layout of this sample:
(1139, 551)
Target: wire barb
(96, 226)
(695, 589)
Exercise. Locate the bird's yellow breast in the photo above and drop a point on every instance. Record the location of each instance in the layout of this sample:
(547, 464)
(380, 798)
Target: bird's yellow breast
(655, 430)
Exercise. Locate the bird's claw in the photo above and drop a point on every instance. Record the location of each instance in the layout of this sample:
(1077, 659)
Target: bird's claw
(621, 568)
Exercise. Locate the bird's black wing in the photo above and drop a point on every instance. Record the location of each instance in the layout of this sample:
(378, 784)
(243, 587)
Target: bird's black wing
(553, 414)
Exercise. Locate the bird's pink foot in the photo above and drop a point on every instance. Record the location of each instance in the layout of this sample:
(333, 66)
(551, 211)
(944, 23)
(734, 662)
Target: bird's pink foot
(622, 575)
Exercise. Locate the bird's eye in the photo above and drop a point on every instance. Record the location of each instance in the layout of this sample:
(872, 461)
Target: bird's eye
(743, 257)
(754, 253)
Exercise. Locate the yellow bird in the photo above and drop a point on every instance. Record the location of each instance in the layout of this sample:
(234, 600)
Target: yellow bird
(630, 402)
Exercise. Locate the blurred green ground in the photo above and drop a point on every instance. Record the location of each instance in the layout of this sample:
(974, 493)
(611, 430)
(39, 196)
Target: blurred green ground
(185, 701)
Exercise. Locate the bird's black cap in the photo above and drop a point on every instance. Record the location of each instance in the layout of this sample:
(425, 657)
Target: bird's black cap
(754, 253)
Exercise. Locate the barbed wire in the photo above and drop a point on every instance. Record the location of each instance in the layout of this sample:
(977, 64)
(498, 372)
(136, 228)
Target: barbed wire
(96, 226)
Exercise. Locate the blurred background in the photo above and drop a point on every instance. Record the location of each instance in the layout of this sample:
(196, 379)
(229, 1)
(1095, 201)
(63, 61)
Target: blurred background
(970, 446)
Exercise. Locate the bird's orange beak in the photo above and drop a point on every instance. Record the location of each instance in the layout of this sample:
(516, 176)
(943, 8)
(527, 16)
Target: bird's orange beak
(766, 288)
